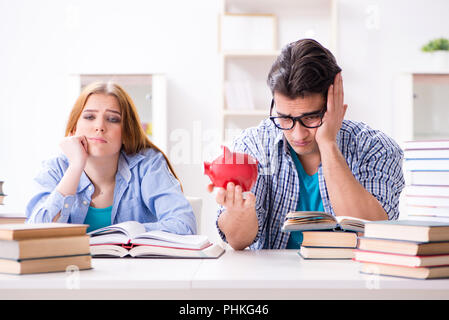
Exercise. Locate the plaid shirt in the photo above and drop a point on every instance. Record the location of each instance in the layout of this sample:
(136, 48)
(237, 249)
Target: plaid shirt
(374, 159)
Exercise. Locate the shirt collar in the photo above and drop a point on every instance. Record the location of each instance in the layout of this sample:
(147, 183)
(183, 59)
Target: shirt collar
(127, 162)
(281, 143)
(84, 182)
(279, 138)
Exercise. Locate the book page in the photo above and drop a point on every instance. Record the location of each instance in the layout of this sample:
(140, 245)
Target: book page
(108, 250)
(351, 223)
(117, 233)
(310, 215)
(347, 218)
(161, 237)
(212, 251)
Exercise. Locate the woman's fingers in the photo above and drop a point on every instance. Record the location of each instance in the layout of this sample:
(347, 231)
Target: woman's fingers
(83, 141)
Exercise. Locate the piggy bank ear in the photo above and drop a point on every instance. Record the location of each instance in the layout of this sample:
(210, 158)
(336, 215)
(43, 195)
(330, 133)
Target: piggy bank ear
(226, 151)
(227, 155)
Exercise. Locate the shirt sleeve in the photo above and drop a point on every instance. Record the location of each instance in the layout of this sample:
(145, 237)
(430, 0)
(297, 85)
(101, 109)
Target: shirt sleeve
(162, 194)
(379, 171)
(46, 201)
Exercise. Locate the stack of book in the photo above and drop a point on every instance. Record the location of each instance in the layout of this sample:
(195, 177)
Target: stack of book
(325, 236)
(43, 247)
(405, 248)
(426, 165)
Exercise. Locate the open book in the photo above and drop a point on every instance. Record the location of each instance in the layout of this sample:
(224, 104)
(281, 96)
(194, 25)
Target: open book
(131, 239)
(314, 220)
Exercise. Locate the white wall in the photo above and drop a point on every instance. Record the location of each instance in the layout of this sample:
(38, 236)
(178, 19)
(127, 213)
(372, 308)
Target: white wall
(377, 40)
(44, 41)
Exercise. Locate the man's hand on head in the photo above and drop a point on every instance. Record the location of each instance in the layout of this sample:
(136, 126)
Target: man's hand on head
(333, 118)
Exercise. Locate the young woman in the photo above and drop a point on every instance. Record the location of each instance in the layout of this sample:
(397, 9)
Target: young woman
(109, 171)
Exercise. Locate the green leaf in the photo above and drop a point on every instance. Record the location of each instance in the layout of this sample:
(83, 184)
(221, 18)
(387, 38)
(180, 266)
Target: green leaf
(436, 44)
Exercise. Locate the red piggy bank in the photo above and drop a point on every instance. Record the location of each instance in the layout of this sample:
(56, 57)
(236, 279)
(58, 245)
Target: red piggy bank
(239, 168)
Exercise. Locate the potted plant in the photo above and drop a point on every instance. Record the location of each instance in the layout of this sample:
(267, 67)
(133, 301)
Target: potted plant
(439, 48)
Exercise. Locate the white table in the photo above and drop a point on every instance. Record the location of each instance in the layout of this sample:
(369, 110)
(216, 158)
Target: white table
(265, 274)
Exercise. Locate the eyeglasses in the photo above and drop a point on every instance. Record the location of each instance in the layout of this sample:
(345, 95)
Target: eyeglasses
(308, 120)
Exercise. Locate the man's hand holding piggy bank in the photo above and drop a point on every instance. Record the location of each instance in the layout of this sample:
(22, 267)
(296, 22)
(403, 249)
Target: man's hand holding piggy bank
(234, 173)
(238, 168)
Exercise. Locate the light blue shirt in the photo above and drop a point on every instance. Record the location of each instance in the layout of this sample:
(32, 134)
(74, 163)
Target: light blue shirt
(145, 191)
(374, 159)
(309, 200)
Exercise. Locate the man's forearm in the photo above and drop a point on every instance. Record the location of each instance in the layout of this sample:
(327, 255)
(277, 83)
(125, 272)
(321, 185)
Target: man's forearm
(347, 196)
(240, 233)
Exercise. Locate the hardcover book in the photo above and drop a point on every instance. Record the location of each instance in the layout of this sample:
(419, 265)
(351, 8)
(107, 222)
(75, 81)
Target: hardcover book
(326, 253)
(44, 247)
(403, 246)
(401, 259)
(405, 272)
(41, 265)
(22, 231)
(329, 239)
(412, 230)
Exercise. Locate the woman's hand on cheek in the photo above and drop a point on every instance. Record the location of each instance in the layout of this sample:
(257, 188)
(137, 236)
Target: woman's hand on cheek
(75, 149)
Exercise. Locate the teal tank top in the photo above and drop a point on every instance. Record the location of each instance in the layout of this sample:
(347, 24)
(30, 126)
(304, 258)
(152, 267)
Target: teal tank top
(309, 198)
(98, 218)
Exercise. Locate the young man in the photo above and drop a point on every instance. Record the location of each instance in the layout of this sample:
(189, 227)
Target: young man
(310, 158)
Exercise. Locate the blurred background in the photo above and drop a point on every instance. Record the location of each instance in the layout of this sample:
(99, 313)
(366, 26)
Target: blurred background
(197, 71)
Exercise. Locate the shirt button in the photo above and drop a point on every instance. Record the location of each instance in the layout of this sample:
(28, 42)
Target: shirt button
(66, 205)
(90, 188)
(85, 202)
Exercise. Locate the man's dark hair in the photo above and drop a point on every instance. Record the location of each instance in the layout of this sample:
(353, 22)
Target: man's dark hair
(303, 67)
